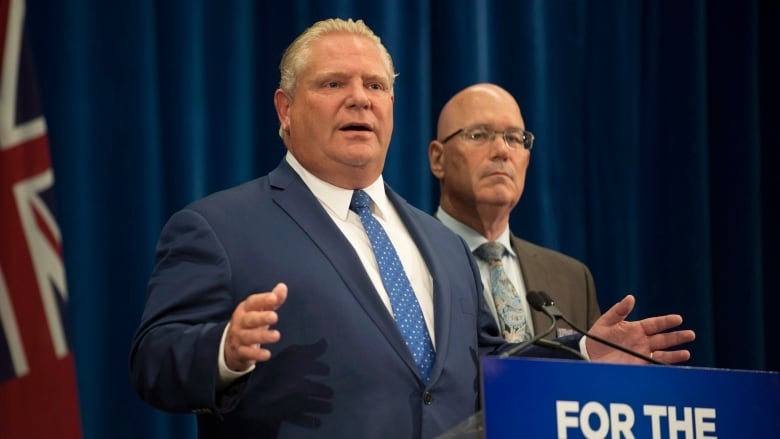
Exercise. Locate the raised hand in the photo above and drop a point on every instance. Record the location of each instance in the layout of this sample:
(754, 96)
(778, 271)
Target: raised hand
(647, 336)
(250, 329)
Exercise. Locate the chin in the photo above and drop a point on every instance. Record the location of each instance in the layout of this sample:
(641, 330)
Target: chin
(363, 154)
(499, 196)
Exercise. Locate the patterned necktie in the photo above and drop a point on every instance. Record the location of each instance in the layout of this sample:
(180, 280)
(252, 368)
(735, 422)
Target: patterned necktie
(511, 315)
(406, 309)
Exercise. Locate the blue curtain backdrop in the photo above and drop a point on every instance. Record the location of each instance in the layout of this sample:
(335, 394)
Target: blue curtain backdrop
(656, 160)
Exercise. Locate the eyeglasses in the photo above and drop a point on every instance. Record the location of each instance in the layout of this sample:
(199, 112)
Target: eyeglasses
(478, 135)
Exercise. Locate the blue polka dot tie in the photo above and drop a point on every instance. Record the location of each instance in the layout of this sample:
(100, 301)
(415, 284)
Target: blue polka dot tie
(406, 309)
(511, 313)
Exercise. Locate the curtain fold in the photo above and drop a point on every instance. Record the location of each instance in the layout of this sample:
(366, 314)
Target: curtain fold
(655, 163)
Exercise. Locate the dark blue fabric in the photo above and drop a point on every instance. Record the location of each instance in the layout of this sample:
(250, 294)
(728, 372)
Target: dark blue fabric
(655, 161)
(334, 378)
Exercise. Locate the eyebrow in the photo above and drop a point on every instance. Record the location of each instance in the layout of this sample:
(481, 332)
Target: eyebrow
(479, 125)
(340, 74)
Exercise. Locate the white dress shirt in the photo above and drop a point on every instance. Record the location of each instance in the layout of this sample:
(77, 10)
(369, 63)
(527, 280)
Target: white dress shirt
(510, 261)
(336, 201)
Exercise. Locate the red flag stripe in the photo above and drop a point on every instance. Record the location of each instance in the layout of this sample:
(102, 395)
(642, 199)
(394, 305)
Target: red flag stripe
(38, 392)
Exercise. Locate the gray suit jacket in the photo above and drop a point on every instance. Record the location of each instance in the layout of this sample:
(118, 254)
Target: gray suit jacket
(567, 280)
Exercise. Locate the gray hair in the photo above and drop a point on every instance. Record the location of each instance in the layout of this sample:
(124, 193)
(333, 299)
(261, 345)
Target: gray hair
(298, 53)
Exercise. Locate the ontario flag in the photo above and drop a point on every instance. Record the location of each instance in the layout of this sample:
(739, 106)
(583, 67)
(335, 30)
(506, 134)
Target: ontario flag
(38, 396)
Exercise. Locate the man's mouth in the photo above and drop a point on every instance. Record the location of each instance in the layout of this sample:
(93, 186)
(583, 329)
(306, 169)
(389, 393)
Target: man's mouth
(355, 127)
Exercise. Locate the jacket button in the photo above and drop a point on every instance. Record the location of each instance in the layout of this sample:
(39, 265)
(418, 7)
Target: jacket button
(428, 398)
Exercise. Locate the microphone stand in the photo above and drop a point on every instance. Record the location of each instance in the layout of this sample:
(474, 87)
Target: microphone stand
(536, 300)
(549, 306)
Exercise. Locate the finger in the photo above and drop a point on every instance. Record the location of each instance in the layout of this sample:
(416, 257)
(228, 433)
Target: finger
(244, 348)
(618, 312)
(666, 340)
(281, 293)
(672, 357)
(254, 337)
(267, 301)
(654, 325)
(257, 319)
(253, 354)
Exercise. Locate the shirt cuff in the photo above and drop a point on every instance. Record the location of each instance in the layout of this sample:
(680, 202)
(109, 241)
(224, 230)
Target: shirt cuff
(226, 375)
(583, 349)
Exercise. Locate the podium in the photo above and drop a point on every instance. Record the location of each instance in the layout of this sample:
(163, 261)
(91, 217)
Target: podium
(542, 398)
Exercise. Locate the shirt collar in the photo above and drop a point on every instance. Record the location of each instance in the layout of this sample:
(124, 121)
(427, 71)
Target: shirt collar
(337, 199)
(472, 237)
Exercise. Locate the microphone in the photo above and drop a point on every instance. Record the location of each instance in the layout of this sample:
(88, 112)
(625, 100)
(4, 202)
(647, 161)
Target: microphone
(537, 301)
(549, 308)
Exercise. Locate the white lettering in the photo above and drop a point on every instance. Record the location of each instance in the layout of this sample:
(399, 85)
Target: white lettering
(703, 426)
(656, 412)
(680, 425)
(594, 408)
(562, 411)
(621, 418)
(694, 419)
(596, 421)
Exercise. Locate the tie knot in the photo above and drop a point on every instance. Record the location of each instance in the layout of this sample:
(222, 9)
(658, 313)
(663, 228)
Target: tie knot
(360, 201)
(490, 251)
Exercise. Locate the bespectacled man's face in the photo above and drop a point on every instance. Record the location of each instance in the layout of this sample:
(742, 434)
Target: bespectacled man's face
(489, 175)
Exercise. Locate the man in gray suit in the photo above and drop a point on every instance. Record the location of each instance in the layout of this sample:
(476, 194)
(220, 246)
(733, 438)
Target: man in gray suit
(481, 161)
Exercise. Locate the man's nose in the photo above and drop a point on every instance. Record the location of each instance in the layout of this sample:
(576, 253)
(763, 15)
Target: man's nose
(499, 143)
(358, 97)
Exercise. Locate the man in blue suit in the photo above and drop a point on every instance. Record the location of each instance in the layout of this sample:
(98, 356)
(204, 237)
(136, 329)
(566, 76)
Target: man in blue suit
(267, 313)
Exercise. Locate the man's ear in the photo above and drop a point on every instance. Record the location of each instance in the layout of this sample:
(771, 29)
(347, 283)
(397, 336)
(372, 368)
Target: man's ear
(436, 158)
(282, 104)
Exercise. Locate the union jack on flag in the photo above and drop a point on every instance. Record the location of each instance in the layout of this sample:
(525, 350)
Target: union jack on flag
(37, 374)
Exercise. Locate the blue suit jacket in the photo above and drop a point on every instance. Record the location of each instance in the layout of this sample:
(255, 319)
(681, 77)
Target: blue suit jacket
(341, 368)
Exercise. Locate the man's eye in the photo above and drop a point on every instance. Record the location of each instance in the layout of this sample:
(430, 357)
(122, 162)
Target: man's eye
(475, 135)
(332, 84)
(515, 138)
(376, 86)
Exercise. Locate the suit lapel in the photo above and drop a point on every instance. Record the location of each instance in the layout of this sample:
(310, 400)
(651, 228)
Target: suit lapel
(291, 195)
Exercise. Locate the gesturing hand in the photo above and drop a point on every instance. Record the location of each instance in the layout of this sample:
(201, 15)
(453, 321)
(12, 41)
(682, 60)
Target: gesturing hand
(645, 336)
(250, 328)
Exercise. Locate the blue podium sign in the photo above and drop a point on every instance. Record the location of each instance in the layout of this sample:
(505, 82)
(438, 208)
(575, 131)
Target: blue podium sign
(540, 398)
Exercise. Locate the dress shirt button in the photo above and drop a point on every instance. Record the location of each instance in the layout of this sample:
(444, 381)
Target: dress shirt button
(428, 398)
